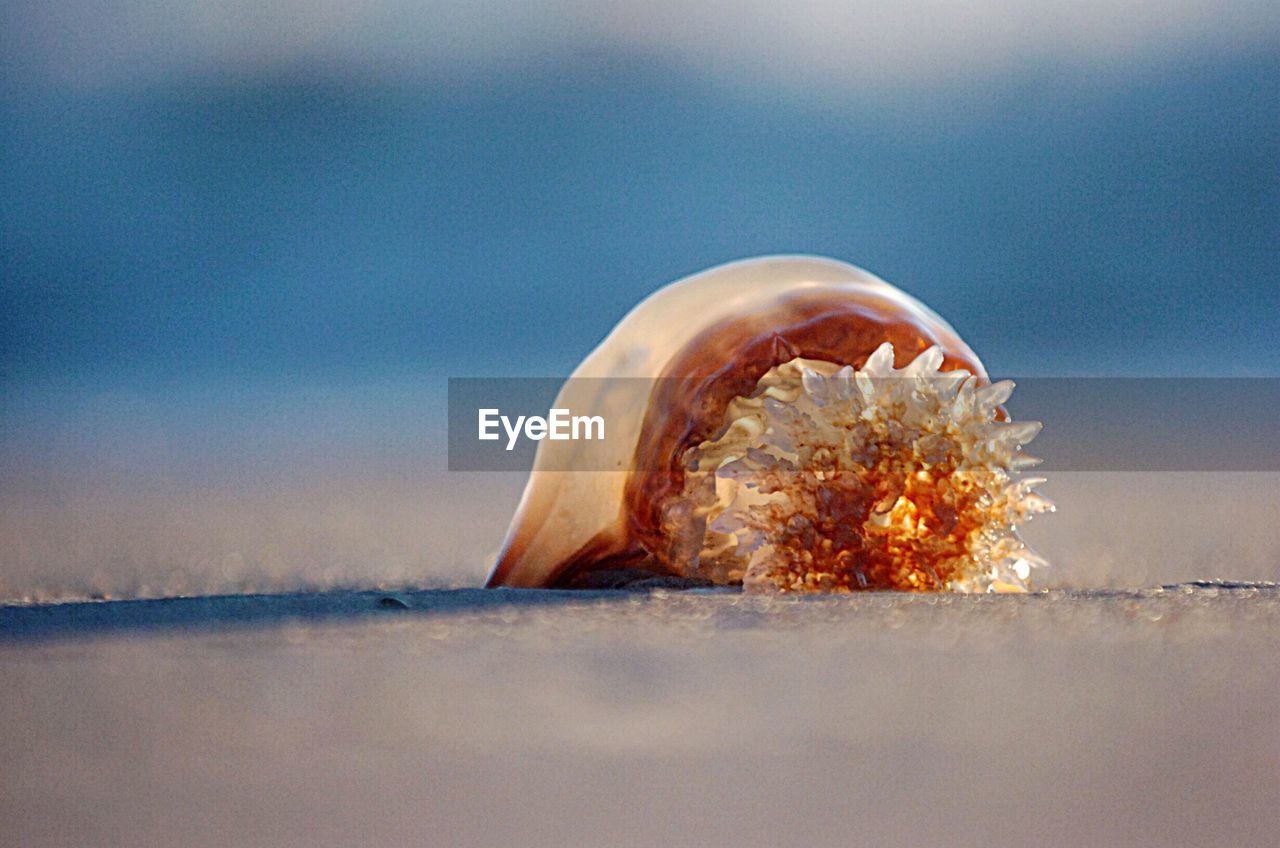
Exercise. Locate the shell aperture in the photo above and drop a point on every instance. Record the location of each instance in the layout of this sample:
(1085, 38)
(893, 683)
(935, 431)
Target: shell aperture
(790, 423)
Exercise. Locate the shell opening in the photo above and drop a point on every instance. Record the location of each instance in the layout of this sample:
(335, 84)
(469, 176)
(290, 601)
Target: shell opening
(829, 479)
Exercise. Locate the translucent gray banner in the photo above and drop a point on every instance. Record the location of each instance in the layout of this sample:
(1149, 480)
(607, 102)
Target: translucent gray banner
(1090, 423)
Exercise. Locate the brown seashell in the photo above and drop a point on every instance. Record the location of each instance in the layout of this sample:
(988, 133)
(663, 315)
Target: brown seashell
(793, 423)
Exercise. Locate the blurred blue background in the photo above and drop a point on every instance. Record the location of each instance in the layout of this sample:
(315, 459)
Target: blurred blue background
(237, 235)
(192, 192)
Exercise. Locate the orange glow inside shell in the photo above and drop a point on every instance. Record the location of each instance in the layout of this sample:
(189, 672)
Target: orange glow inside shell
(724, 485)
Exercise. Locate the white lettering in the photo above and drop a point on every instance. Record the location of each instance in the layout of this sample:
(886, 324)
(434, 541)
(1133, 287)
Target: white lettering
(486, 421)
(560, 425)
(587, 421)
(513, 433)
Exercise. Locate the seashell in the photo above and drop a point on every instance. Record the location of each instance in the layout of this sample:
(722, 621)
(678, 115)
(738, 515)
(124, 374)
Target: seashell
(794, 424)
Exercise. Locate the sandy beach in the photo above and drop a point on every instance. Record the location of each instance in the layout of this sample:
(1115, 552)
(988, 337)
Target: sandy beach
(472, 717)
(303, 660)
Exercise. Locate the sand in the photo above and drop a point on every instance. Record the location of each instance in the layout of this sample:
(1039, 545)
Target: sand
(671, 718)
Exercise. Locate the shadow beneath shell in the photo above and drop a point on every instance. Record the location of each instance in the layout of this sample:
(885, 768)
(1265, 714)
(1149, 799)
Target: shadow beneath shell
(76, 619)
(38, 623)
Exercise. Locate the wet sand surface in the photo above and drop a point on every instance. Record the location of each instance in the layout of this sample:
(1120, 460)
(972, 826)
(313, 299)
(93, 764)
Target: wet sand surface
(469, 717)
